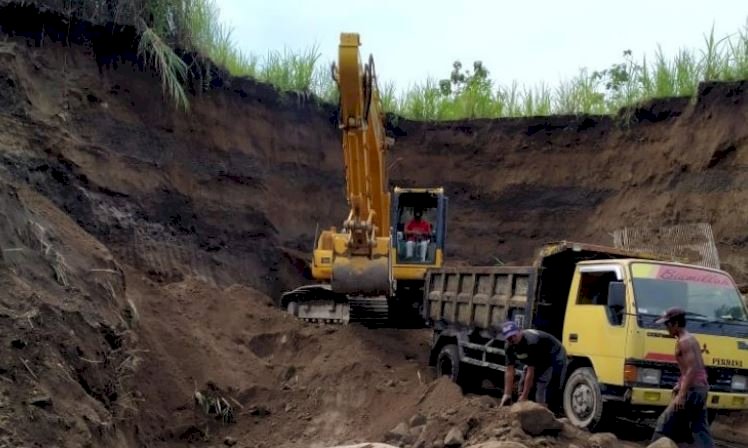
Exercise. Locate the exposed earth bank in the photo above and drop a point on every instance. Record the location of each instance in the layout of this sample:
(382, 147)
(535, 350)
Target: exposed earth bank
(143, 247)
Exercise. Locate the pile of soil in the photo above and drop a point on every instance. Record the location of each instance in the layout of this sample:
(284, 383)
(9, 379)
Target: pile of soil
(143, 248)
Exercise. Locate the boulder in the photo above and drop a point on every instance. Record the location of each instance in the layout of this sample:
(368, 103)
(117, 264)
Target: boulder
(417, 420)
(455, 438)
(401, 433)
(535, 419)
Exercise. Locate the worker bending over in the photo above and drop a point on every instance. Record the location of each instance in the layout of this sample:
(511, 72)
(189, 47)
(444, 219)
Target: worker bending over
(545, 361)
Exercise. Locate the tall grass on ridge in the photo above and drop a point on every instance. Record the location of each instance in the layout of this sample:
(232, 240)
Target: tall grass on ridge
(474, 95)
(171, 27)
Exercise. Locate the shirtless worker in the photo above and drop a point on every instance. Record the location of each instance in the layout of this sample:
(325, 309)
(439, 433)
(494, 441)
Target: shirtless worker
(688, 407)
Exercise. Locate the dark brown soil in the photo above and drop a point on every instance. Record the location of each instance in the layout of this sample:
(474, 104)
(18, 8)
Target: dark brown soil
(143, 248)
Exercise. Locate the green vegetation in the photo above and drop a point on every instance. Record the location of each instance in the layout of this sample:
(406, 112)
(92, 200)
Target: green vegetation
(169, 27)
(472, 94)
(469, 94)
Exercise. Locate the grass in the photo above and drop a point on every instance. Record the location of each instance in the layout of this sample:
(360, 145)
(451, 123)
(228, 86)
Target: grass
(195, 26)
(472, 94)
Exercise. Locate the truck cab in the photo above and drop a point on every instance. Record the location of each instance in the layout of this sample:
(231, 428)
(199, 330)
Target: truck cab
(601, 303)
(609, 330)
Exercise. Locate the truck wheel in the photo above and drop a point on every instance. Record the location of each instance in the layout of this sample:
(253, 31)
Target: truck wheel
(448, 363)
(583, 403)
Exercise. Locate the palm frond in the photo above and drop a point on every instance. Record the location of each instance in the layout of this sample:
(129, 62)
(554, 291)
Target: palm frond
(168, 65)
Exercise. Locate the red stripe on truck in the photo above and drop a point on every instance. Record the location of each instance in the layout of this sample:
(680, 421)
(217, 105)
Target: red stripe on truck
(665, 357)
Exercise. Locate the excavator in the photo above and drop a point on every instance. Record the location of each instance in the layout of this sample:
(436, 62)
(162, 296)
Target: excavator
(372, 269)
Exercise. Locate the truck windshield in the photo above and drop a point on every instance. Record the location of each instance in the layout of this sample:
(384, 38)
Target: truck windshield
(707, 296)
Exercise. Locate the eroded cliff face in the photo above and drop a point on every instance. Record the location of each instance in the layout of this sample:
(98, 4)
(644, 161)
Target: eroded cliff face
(516, 183)
(126, 223)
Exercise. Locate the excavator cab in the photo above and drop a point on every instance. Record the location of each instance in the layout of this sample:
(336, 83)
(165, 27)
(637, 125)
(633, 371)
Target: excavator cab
(419, 226)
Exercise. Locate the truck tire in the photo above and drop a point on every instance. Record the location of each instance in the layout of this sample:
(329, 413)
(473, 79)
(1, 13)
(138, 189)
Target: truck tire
(448, 363)
(583, 402)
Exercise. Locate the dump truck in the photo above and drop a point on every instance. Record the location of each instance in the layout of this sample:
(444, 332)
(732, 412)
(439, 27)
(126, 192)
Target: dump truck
(601, 303)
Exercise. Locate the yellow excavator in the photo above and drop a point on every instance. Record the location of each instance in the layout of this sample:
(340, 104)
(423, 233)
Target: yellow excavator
(371, 270)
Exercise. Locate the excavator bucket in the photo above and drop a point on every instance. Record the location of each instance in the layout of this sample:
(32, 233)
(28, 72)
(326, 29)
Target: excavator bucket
(361, 276)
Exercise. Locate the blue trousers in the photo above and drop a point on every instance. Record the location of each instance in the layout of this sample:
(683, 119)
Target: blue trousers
(692, 418)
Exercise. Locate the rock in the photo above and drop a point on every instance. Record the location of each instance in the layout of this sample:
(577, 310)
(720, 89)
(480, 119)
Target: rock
(604, 440)
(289, 407)
(663, 442)
(454, 437)
(417, 420)
(501, 431)
(438, 444)
(229, 441)
(517, 434)
(400, 433)
(572, 432)
(496, 444)
(488, 402)
(535, 419)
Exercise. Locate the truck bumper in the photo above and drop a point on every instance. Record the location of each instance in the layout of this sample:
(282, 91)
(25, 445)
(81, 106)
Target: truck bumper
(662, 397)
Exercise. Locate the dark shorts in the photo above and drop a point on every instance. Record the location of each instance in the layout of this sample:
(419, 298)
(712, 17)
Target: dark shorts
(691, 420)
(549, 381)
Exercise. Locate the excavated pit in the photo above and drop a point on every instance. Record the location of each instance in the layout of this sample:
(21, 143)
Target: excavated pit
(143, 248)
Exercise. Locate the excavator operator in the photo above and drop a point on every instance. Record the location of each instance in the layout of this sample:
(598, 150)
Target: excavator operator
(417, 232)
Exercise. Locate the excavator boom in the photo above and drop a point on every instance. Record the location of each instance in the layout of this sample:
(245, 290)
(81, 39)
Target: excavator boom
(363, 147)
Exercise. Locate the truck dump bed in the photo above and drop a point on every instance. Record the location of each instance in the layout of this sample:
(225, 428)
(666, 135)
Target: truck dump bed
(481, 297)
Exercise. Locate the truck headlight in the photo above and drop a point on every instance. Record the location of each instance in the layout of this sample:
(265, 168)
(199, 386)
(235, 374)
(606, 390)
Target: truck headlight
(649, 376)
(739, 382)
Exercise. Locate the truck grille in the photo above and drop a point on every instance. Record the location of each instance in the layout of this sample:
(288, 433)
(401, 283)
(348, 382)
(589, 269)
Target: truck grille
(719, 378)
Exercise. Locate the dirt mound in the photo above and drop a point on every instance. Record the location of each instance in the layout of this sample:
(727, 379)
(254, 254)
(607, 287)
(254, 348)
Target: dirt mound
(66, 344)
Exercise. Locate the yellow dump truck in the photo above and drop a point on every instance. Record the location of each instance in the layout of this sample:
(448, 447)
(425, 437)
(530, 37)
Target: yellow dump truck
(602, 303)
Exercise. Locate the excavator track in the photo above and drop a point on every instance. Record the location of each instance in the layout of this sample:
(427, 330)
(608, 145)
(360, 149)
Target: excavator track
(319, 304)
(369, 311)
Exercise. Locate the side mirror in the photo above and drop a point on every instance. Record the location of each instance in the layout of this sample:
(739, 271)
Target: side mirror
(617, 295)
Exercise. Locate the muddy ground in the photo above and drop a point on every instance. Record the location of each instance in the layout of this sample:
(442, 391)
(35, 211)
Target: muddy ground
(143, 248)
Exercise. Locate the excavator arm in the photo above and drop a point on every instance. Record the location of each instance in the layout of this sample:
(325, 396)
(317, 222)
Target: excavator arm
(353, 263)
(363, 148)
